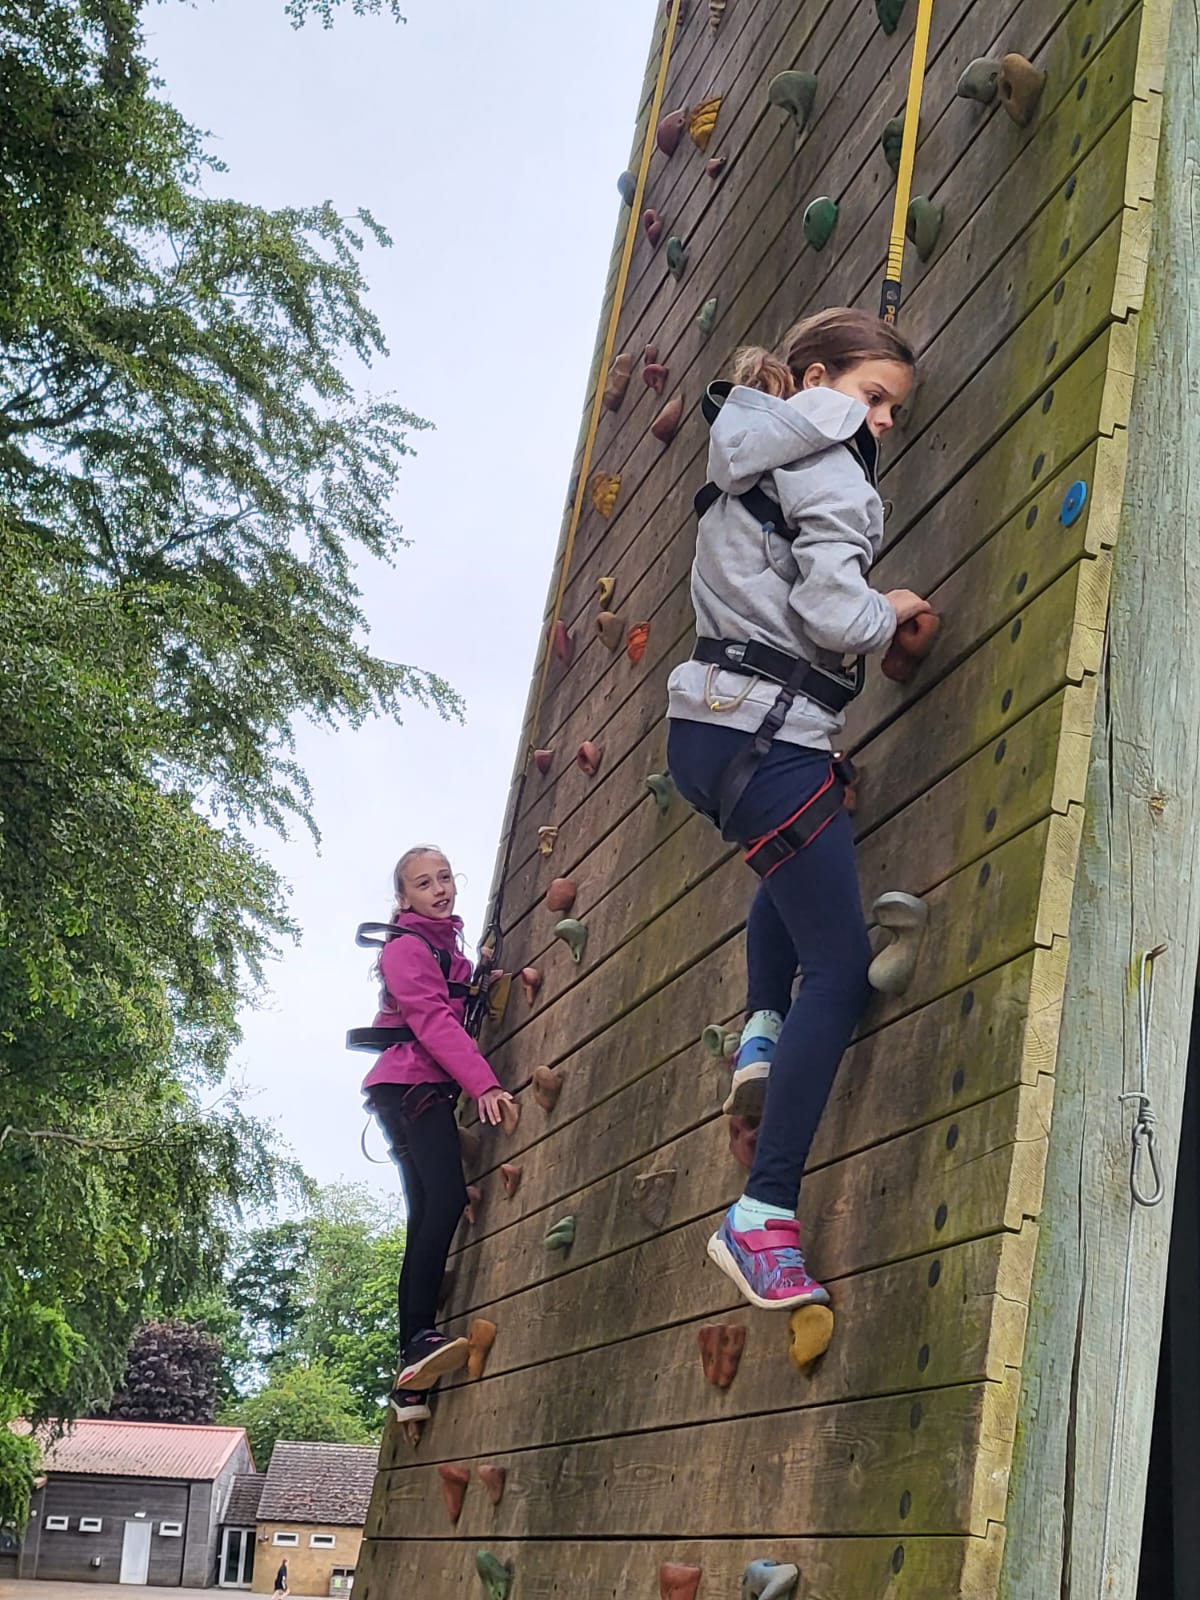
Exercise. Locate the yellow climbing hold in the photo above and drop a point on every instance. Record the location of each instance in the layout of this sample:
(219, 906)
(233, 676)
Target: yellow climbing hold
(703, 121)
(604, 487)
(809, 1331)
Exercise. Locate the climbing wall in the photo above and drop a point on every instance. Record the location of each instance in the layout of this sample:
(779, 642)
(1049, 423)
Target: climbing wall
(883, 1468)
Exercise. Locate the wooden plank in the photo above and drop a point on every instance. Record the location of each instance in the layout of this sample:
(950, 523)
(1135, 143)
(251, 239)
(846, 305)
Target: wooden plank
(907, 1568)
(836, 1470)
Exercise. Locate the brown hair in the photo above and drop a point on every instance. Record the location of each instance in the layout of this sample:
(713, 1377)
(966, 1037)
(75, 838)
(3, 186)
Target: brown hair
(401, 867)
(840, 339)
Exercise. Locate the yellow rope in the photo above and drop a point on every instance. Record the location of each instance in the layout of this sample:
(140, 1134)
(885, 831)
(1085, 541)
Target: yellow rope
(890, 302)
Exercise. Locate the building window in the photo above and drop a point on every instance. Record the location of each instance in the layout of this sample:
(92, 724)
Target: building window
(57, 1524)
(322, 1541)
(170, 1530)
(341, 1580)
(91, 1524)
(286, 1538)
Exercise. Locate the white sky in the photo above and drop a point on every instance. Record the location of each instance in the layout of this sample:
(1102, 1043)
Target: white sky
(487, 138)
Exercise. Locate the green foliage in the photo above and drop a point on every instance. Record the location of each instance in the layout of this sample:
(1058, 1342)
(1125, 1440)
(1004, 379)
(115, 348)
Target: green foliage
(301, 10)
(267, 1289)
(299, 1403)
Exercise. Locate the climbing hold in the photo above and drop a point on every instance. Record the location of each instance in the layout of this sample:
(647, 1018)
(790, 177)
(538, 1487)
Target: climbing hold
(604, 487)
(474, 1201)
(495, 1576)
(715, 166)
(561, 642)
(743, 1137)
(676, 1582)
(574, 935)
(532, 981)
(510, 1117)
(510, 1177)
(770, 1580)
(606, 587)
(653, 224)
(619, 375)
(652, 1193)
(668, 421)
(470, 1145)
(412, 1432)
(889, 13)
(716, 11)
(677, 256)
(893, 142)
(635, 642)
(454, 1488)
(492, 1479)
(707, 316)
(650, 354)
(905, 918)
(912, 642)
(795, 94)
(1073, 503)
(547, 1086)
(923, 224)
(611, 629)
(627, 187)
(547, 838)
(670, 131)
(809, 1331)
(1021, 85)
(721, 1346)
(654, 375)
(562, 1235)
(819, 218)
(662, 788)
(978, 81)
(497, 998)
(542, 760)
(560, 896)
(720, 1041)
(588, 758)
(481, 1336)
(703, 121)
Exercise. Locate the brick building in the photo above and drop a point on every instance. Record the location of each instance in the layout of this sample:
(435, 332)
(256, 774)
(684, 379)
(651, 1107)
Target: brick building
(311, 1511)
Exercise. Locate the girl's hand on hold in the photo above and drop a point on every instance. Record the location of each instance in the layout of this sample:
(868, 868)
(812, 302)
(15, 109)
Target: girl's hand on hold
(492, 978)
(906, 604)
(489, 1104)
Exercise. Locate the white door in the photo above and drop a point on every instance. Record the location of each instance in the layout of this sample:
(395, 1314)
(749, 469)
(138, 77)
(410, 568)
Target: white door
(135, 1552)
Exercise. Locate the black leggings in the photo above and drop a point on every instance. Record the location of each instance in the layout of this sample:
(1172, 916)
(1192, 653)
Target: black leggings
(418, 1120)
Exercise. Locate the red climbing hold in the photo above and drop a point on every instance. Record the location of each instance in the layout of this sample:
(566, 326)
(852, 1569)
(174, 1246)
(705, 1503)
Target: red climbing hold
(474, 1200)
(669, 420)
(743, 1136)
(531, 982)
(542, 760)
(547, 1086)
(676, 1582)
(721, 1346)
(670, 132)
(635, 644)
(716, 166)
(510, 1177)
(653, 224)
(454, 1488)
(912, 643)
(492, 1479)
(655, 375)
(588, 758)
(560, 642)
(560, 896)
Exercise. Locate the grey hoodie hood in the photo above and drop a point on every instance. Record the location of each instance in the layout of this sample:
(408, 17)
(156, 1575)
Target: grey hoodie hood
(802, 589)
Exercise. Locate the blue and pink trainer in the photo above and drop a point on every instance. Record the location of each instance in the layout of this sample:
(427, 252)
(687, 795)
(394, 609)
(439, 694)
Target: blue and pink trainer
(767, 1264)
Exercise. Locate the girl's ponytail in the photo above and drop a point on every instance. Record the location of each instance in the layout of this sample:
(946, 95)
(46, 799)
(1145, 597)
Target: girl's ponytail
(756, 368)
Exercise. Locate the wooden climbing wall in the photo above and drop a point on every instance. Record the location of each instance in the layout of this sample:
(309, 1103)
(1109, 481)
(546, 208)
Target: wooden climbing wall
(883, 1471)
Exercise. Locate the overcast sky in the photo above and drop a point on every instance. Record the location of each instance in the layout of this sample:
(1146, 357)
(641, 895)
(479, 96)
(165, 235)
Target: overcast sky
(487, 137)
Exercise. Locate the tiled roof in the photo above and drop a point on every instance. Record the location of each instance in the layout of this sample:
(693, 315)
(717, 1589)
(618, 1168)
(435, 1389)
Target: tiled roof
(110, 1449)
(323, 1483)
(241, 1510)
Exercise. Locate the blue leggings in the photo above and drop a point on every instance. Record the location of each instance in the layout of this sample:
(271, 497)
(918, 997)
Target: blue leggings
(806, 916)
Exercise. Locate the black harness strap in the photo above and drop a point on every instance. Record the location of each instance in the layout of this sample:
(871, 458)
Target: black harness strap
(372, 935)
(800, 829)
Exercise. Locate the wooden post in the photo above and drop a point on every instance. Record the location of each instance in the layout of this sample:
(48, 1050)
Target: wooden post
(1074, 1520)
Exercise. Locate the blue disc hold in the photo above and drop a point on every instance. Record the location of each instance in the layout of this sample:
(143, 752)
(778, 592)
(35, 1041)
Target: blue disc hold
(1073, 503)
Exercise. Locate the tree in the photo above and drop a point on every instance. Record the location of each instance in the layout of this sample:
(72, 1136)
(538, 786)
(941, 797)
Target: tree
(299, 1403)
(267, 1288)
(170, 1376)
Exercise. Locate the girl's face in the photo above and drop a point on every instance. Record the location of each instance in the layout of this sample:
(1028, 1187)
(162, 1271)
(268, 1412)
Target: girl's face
(428, 887)
(883, 386)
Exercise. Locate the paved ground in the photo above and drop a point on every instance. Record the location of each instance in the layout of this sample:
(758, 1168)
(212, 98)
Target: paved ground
(39, 1590)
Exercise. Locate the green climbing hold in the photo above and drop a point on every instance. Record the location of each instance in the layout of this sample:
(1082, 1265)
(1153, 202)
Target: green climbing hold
(663, 790)
(819, 219)
(794, 93)
(707, 317)
(892, 142)
(562, 1235)
(924, 224)
(720, 1041)
(979, 81)
(574, 935)
(496, 1576)
(677, 256)
(889, 13)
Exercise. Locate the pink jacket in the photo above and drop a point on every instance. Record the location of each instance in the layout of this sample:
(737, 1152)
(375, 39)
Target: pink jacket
(442, 1051)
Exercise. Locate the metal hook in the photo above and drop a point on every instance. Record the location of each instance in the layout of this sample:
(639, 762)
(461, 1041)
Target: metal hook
(1144, 1138)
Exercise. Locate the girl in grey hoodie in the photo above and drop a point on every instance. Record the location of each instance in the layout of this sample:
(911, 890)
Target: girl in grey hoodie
(791, 522)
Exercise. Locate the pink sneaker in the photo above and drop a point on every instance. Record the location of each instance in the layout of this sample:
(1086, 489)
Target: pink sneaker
(767, 1264)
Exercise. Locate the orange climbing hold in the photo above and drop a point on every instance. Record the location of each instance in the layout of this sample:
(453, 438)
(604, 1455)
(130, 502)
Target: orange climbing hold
(493, 1479)
(510, 1117)
(510, 1177)
(668, 421)
(455, 1480)
(635, 643)
(721, 1346)
(676, 1582)
(481, 1336)
(912, 643)
(560, 896)
(619, 375)
(604, 487)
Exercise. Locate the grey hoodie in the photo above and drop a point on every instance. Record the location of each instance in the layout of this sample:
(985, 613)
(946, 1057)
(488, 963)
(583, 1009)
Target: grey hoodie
(812, 600)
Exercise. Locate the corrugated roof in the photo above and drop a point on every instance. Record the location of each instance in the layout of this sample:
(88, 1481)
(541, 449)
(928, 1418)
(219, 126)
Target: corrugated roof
(329, 1483)
(241, 1510)
(112, 1449)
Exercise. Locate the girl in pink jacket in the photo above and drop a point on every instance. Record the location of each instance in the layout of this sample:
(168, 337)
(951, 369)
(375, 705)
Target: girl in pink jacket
(413, 1089)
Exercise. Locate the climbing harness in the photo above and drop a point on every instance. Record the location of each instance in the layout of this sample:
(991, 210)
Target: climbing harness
(373, 936)
(803, 826)
(889, 302)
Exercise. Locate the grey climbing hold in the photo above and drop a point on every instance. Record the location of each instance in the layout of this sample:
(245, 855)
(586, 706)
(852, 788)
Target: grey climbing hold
(707, 316)
(769, 1580)
(893, 142)
(562, 1235)
(574, 935)
(905, 918)
(627, 187)
(677, 256)
(924, 224)
(819, 218)
(662, 788)
(889, 13)
(794, 93)
(978, 81)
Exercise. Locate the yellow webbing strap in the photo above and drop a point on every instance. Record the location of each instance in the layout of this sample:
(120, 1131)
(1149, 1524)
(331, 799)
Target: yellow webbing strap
(889, 301)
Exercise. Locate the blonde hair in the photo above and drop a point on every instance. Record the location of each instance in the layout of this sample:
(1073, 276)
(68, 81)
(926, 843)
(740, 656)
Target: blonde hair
(402, 866)
(839, 339)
